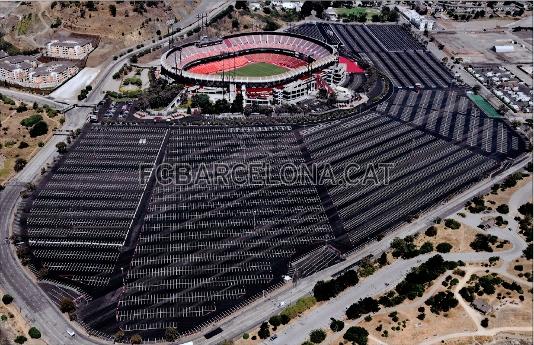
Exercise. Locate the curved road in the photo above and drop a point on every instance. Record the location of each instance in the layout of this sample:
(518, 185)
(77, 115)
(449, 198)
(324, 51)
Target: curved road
(42, 313)
(34, 304)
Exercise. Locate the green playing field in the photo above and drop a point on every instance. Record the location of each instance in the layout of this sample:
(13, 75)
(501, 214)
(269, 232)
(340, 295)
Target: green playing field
(485, 105)
(258, 69)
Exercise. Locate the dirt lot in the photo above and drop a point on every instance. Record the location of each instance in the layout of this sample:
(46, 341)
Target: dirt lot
(476, 47)
(456, 320)
(503, 197)
(475, 25)
(15, 324)
(127, 28)
(13, 133)
(459, 239)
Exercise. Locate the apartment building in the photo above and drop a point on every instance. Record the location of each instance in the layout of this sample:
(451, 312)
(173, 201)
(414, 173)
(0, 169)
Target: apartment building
(69, 48)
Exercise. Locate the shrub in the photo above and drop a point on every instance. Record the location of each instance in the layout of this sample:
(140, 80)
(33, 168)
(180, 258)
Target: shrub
(20, 163)
(300, 306)
(444, 247)
(336, 325)
(317, 336)
(20, 339)
(452, 224)
(34, 333)
(431, 231)
(7, 299)
(66, 305)
(246, 336)
(31, 120)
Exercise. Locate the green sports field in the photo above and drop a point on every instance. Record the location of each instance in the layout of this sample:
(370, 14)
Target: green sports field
(484, 105)
(257, 69)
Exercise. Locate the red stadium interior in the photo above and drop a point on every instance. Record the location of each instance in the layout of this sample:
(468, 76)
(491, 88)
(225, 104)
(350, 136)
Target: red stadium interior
(352, 66)
(231, 63)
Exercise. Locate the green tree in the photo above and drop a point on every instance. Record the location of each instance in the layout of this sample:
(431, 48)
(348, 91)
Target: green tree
(503, 208)
(237, 104)
(20, 339)
(275, 320)
(61, 147)
(357, 335)
(66, 305)
(40, 128)
(20, 163)
(363, 306)
(7, 299)
(136, 339)
(427, 247)
(444, 247)
(336, 325)
(119, 335)
(317, 336)
(431, 231)
(113, 10)
(34, 333)
(264, 332)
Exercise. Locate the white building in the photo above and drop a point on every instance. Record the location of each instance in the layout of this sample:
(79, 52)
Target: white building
(504, 49)
(422, 23)
(287, 5)
(70, 48)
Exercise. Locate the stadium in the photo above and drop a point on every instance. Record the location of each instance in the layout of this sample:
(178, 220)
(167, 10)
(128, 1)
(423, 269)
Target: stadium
(271, 66)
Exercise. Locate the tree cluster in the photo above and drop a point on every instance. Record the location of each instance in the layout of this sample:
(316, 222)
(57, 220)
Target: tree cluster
(406, 248)
(386, 15)
(452, 224)
(443, 301)
(482, 243)
(357, 335)
(324, 290)
(414, 284)
(363, 306)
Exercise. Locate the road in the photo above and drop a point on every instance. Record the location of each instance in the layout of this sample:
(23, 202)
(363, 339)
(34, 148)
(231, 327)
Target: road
(30, 98)
(39, 309)
(34, 304)
(111, 66)
(257, 312)
(187, 24)
(393, 274)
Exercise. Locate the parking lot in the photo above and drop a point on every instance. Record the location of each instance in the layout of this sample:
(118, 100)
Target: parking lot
(109, 110)
(154, 255)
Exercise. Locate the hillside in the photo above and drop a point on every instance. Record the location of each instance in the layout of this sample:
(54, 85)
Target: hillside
(120, 24)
